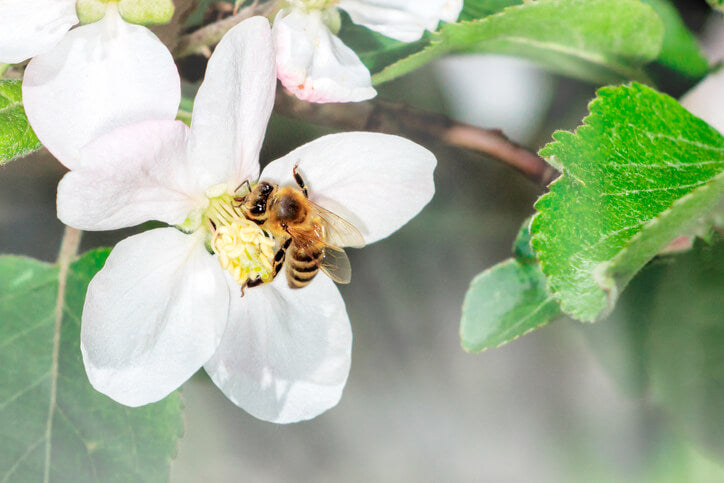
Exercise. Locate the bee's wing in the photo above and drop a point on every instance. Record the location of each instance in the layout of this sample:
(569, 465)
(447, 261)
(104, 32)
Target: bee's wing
(336, 264)
(340, 232)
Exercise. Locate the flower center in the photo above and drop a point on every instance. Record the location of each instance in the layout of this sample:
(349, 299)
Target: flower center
(242, 247)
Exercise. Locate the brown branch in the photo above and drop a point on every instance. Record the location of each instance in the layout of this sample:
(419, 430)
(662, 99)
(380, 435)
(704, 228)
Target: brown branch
(423, 126)
(201, 40)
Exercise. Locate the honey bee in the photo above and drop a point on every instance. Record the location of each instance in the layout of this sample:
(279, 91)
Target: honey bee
(310, 237)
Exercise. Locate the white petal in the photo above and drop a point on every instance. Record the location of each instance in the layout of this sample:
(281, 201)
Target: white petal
(314, 64)
(100, 76)
(404, 20)
(29, 27)
(133, 174)
(378, 182)
(706, 99)
(233, 105)
(153, 316)
(285, 355)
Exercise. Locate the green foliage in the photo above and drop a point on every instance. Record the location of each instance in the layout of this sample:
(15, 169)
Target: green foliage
(507, 301)
(639, 172)
(477, 9)
(684, 345)
(17, 139)
(664, 341)
(53, 424)
(596, 40)
(716, 4)
(680, 50)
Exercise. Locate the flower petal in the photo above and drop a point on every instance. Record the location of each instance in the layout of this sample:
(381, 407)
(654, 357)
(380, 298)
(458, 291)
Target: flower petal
(285, 355)
(132, 175)
(705, 100)
(100, 76)
(233, 106)
(404, 20)
(29, 27)
(314, 64)
(152, 316)
(378, 182)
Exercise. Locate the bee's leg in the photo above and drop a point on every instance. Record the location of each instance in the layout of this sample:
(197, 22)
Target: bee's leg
(242, 199)
(251, 283)
(245, 182)
(279, 256)
(300, 181)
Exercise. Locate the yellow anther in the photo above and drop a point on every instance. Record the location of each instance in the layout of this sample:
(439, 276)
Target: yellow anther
(245, 251)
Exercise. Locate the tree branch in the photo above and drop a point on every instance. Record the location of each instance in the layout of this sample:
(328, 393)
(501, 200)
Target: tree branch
(423, 126)
(200, 41)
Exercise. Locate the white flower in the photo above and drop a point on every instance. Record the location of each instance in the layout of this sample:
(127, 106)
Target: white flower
(315, 65)
(162, 306)
(86, 81)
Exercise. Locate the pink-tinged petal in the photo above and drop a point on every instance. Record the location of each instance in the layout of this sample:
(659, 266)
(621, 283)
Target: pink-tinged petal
(285, 355)
(132, 175)
(314, 64)
(706, 99)
(99, 77)
(153, 316)
(377, 182)
(30, 27)
(233, 106)
(404, 20)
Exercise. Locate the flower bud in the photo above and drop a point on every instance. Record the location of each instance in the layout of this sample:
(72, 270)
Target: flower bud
(146, 12)
(90, 11)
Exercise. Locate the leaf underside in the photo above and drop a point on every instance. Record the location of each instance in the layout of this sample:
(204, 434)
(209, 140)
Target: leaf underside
(640, 171)
(73, 433)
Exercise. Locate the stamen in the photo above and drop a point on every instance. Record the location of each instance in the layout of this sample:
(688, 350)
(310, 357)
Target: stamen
(242, 247)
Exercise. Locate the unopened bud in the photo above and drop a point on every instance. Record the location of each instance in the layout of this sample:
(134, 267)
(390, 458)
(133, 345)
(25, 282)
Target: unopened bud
(146, 12)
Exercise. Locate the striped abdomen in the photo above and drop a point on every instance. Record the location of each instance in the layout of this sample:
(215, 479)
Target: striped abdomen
(303, 263)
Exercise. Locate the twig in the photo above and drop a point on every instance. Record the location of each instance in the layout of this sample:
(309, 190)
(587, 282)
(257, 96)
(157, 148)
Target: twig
(198, 42)
(426, 127)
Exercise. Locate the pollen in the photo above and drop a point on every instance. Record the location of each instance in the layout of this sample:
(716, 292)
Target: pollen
(243, 248)
(245, 251)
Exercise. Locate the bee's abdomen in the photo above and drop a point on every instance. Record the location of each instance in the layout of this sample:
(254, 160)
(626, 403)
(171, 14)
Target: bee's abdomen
(303, 265)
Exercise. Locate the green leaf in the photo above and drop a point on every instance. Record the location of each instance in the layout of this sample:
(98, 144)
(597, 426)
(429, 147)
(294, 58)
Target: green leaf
(665, 343)
(596, 40)
(53, 425)
(477, 9)
(17, 139)
(680, 50)
(684, 347)
(716, 4)
(504, 303)
(507, 301)
(639, 172)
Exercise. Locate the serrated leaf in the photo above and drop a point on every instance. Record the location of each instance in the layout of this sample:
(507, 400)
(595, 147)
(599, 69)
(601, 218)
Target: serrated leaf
(507, 301)
(17, 139)
(53, 425)
(640, 171)
(595, 40)
(680, 50)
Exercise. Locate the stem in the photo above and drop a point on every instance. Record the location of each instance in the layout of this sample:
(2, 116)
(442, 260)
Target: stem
(3, 69)
(68, 250)
(198, 42)
(423, 126)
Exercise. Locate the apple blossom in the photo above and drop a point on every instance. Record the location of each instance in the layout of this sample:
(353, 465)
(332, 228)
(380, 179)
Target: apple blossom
(86, 81)
(168, 300)
(315, 65)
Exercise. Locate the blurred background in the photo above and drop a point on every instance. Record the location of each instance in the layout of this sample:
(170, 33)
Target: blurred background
(566, 403)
